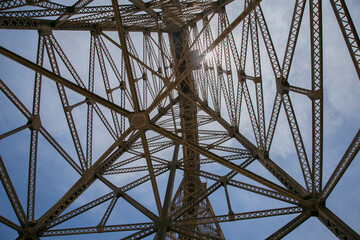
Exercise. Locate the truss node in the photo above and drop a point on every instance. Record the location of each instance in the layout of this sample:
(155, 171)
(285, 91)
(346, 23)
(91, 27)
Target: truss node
(139, 120)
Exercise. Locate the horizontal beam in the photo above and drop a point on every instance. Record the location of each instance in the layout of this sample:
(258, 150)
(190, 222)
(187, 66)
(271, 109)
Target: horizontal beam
(86, 230)
(240, 216)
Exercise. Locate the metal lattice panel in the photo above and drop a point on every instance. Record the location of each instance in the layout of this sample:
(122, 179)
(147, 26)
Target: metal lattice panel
(179, 119)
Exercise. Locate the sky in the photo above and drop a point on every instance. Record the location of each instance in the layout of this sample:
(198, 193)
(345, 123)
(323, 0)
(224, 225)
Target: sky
(55, 176)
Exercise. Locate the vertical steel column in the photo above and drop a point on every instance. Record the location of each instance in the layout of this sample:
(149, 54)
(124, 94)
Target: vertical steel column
(189, 127)
(317, 96)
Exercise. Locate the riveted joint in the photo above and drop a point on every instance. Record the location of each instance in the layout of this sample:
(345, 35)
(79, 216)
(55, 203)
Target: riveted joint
(233, 130)
(315, 95)
(122, 85)
(44, 29)
(99, 228)
(322, 203)
(241, 75)
(35, 123)
(29, 233)
(139, 120)
(70, 9)
(282, 86)
(89, 101)
(162, 110)
(312, 206)
(257, 79)
(96, 31)
(124, 146)
(97, 175)
(117, 192)
(224, 181)
(176, 164)
(217, 7)
(231, 215)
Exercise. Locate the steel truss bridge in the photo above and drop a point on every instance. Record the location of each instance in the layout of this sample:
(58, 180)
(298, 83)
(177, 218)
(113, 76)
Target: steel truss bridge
(169, 119)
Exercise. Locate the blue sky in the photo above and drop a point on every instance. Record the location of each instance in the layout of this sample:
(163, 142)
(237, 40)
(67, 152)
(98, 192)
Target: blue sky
(55, 176)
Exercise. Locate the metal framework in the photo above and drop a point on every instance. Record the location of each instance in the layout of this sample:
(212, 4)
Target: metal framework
(167, 128)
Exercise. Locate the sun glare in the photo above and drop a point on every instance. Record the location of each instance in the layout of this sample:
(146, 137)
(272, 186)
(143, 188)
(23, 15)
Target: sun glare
(208, 56)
